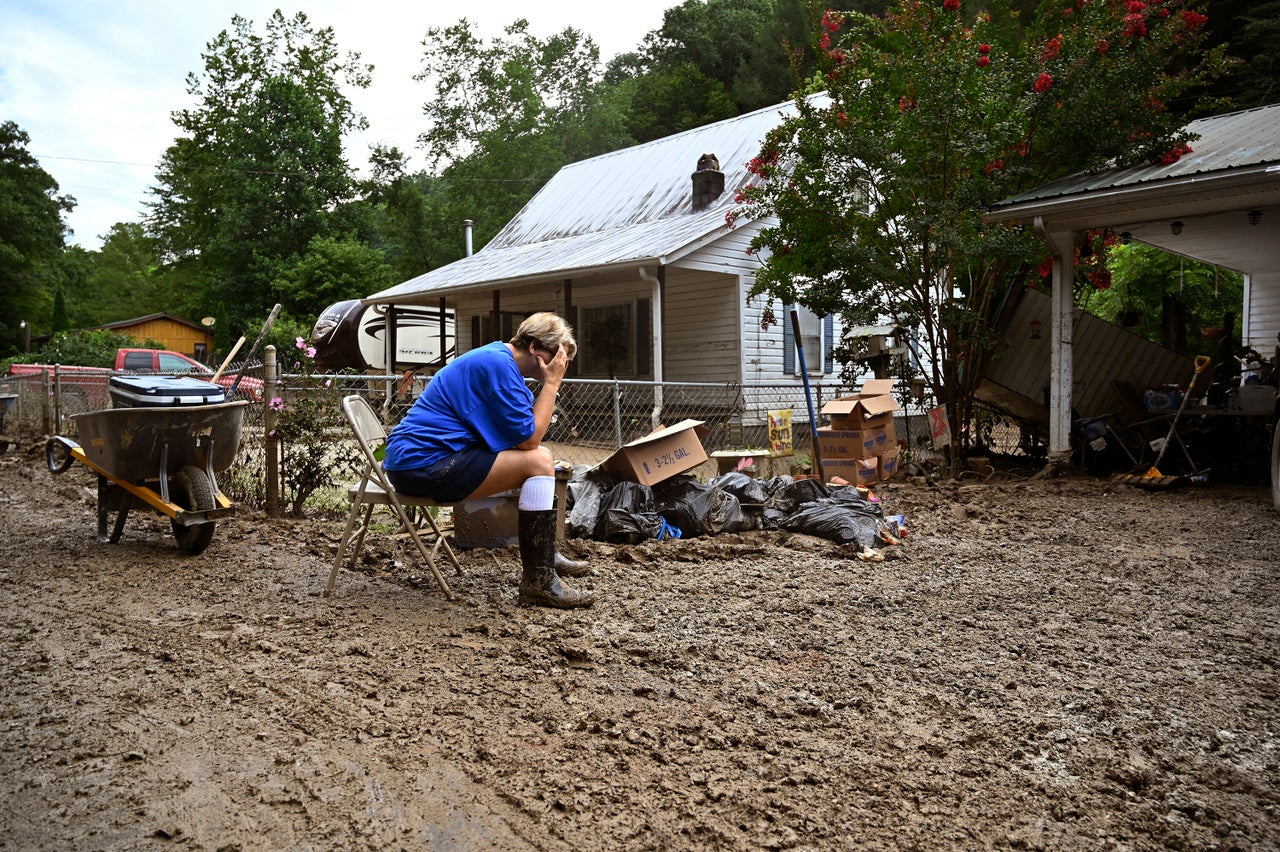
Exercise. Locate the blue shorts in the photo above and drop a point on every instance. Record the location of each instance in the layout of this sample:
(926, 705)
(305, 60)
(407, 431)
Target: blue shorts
(449, 480)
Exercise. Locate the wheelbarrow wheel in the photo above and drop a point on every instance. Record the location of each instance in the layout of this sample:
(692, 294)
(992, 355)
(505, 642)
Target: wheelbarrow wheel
(191, 489)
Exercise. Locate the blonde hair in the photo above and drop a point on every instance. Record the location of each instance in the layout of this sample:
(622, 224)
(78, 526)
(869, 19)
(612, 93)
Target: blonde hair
(548, 331)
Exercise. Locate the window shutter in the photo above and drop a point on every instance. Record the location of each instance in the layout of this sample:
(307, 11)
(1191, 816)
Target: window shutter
(828, 347)
(788, 343)
(475, 331)
(644, 364)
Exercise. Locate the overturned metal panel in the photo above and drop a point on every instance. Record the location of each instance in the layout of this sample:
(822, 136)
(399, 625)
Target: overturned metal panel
(1018, 376)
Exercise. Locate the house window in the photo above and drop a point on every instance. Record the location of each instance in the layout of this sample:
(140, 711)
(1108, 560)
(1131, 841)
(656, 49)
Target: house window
(607, 340)
(816, 333)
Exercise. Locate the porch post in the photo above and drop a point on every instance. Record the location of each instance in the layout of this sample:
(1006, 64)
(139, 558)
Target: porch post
(1061, 341)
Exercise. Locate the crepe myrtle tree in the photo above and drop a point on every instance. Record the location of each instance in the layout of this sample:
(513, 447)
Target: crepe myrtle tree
(871, 196)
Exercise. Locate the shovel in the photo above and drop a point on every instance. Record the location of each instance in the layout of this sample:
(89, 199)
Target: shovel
(1153, 478)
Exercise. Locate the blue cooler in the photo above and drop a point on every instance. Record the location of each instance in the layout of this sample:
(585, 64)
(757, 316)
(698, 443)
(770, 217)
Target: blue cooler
(163, 391)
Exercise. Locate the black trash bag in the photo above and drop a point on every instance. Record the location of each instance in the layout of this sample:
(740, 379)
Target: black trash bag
(857, 501)
(621, 526)
(836, 520)
(627, 496)
(585, 502)
(686, 503)
(747, 489)
(698, 508)
(786, 495)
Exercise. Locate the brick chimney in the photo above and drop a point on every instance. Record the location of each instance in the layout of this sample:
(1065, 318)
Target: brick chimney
(708, 182)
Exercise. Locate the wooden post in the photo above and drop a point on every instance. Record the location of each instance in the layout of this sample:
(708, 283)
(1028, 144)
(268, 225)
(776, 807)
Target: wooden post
(272, 443)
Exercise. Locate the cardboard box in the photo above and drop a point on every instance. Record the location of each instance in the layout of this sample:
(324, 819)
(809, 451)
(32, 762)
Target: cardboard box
(889, 464)
(659, 455)
(853, 471)
(856, 443)
(874, 406)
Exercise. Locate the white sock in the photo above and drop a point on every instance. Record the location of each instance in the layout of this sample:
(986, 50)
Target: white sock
(538, 494)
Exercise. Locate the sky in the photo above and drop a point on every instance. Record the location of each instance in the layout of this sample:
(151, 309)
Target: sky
(94, 82)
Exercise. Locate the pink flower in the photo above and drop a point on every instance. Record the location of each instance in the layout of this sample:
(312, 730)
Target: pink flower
(300, 343)
(825, 42)
(1043, 82)
(831, 21)
(951, 5)
(1194, 20)
(1051, 48)
(995, 165)
(1136, 7)
(984, 48)
(1103, 46)
(984, 61)
(276, 404)
(311, 352)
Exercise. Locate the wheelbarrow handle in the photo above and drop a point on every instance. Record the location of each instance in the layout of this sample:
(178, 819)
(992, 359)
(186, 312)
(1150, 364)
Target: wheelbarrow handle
(50, 453)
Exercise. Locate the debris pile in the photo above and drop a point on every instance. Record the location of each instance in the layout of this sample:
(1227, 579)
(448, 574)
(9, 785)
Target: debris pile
(624, 512)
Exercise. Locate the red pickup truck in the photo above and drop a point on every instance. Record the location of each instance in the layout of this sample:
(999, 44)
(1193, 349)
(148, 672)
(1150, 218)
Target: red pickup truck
(159, 361)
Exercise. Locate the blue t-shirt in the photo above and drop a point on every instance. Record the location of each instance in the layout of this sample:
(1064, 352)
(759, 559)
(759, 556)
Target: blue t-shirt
(477, 400)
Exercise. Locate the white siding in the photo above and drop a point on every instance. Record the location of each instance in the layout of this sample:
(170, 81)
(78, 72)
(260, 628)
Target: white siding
(701, 331)
(1262, 313)
(727, 254)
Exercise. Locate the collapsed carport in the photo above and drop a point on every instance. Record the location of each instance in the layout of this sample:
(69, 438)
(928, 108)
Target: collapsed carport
(1219, 204)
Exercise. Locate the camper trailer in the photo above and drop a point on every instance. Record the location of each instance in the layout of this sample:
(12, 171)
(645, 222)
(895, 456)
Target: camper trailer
(351, 335)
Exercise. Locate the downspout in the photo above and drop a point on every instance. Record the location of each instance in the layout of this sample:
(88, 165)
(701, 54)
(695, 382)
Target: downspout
(1061, 342)
(655, 303)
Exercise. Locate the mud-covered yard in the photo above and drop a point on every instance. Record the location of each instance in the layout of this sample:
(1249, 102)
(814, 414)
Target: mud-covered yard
(1062, 663)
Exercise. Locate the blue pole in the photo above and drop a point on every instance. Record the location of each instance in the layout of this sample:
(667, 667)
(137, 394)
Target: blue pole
(808, 396)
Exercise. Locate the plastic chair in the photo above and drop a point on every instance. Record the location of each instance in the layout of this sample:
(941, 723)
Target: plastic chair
(375, 489)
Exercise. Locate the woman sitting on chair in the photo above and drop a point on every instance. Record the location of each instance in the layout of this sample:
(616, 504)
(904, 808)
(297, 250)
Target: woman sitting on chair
(477, 430)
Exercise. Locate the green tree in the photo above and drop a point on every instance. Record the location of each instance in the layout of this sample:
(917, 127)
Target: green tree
(332, 270)
(60, 321)
(32, 234)
(259, 169)
(878, 190)
(716, 59)
(505, 116)
(1144, 279)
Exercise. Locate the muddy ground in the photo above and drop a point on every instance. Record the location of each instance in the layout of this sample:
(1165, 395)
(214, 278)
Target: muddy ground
(1062, 663)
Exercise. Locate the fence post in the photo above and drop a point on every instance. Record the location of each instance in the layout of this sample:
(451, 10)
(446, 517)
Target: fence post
(617, 415)
(272, 442)
(46, 400)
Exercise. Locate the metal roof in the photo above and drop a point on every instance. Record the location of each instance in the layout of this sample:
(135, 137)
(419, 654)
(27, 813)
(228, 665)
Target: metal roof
(625, 208)
(1232, 141)
(1219, 204)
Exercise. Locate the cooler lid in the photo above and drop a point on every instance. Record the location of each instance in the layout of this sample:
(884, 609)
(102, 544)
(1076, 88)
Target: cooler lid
(167, 386)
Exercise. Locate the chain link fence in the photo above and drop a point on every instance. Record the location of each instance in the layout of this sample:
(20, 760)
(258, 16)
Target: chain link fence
(296, 450)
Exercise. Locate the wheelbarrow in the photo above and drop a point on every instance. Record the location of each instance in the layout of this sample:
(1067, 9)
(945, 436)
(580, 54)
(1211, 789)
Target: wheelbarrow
(164, 457)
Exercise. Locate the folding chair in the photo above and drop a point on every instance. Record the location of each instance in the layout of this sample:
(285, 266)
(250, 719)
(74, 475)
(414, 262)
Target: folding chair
(376, 490)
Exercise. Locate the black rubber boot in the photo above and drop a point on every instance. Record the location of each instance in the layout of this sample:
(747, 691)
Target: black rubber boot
(540, 585)
(567, 567)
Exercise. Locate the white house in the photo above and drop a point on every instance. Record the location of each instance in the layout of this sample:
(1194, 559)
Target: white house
(636, 241)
